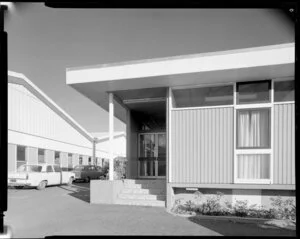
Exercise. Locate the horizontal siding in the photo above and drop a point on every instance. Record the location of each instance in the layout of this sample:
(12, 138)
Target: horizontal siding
(284, 144)
(202, 145)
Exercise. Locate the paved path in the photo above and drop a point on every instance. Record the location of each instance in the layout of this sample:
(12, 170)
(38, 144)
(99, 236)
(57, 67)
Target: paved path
(65, 210)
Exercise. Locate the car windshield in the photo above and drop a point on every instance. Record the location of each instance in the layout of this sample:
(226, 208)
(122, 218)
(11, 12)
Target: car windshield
(79, 168)
(30, 168)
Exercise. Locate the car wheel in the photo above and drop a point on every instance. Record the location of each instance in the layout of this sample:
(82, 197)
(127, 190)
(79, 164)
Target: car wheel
(42, 185)
(70, 182)
(87, 179)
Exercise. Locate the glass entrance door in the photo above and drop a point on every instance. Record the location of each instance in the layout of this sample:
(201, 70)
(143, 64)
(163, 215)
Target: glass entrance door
(152, 155)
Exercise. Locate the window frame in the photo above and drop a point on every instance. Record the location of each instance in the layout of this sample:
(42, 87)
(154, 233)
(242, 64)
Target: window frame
(173, 107)
(25, 162)
(247, 151)
(270, 86)
(44, 156)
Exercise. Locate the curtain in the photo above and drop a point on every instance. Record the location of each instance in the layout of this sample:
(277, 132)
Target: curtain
(254, 166)
(253, 128)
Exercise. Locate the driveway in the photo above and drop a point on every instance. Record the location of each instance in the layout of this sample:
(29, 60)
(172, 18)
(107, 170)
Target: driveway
(65, 210)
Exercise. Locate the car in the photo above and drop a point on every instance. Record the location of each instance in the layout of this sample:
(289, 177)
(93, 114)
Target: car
(88, 172)
(39, 176)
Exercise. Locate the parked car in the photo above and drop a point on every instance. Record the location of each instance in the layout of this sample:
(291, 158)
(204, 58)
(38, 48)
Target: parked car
(39, 176)
(88, 172)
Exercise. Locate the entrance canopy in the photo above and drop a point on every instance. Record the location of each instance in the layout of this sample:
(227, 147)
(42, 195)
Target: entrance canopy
(127, 79)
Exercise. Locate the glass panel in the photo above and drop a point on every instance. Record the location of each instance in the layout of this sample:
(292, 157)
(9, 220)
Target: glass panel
(19, 164)
(150, 168)
(49, 169)
(80, 160)
(203, 96)
(254, 166)
(41, 156)
(57, 158)
(161, 145)
(254, 92)
(284, 91)
(70, 164)
(161, 168)
(253, 128)
(147, 145)
(21, 153)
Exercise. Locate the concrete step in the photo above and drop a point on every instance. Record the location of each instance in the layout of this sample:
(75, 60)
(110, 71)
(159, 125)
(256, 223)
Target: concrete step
(141, 196)
(152, 203)
(145, 185)
(157, 191)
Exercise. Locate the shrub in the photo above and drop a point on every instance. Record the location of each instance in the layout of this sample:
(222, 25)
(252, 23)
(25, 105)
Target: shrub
(240, 208)
(284, 209)
(120, 164)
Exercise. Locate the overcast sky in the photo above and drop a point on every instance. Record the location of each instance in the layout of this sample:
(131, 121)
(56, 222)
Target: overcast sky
(43, 42)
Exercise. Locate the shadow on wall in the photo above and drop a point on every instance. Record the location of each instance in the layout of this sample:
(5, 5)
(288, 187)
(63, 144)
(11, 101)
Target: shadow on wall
(79, 191)
(231, 227)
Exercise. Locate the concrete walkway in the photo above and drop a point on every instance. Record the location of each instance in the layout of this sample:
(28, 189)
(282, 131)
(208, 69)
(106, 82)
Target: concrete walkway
(65, 211)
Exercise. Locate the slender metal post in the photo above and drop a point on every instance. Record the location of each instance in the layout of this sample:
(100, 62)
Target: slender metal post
(3, 129)
(111, 136)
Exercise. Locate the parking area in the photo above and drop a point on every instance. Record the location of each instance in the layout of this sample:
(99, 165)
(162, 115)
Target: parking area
(65, 210)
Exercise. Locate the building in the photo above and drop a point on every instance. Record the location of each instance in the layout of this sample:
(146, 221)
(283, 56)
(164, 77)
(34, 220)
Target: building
(218, 121)
(40, 131)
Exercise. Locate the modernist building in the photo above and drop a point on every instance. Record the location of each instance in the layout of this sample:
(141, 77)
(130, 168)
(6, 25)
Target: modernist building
(218, 121)
(40, 131)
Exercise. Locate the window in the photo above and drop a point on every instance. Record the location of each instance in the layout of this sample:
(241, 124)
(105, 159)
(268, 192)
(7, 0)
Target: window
(253, 166)
(80, 160)
(57, 168)
(21, 156)
(203, 96)
(70, 164)
(284, 91)
(41, 156)
(253, 92)
(49, 169)
(57, 158)
(253, 128)
(90, 160)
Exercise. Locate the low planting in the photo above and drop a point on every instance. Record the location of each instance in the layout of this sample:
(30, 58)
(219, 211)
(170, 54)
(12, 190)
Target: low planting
(211, 205)
(120, 164)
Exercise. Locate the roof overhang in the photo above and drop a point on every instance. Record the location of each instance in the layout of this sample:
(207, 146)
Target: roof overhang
(257, 63)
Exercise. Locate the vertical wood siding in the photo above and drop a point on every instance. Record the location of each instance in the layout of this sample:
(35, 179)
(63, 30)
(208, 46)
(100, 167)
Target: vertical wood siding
(75, 160)
(202, 145)
(284, 144)
(28, 114)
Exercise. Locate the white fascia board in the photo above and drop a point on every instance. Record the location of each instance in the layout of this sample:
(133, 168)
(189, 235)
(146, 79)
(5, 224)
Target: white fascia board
(42, 96)
(225, 60)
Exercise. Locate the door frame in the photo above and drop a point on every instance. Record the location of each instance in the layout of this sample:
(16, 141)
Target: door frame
(156, 164)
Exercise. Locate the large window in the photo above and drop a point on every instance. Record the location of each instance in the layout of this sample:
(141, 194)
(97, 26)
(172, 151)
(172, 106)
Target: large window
(70, 164)
(21, 156)
(41, 156)
(203, 96)
(284, 91)
(80, 160)
(57, 158)
(253, 128)
(253, 92)
(253, 132)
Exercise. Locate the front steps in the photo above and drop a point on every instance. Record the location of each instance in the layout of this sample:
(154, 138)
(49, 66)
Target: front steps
(143, 192)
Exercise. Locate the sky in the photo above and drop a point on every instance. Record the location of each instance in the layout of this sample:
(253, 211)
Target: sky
(43, 42)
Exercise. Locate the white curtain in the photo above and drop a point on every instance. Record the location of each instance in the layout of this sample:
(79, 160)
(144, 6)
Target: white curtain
(253, 128)
(254, 166)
